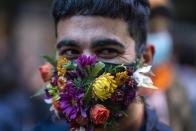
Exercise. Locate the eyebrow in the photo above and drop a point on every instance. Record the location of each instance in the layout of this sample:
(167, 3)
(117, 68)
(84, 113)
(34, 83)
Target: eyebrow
(67, 42)
(106, 42)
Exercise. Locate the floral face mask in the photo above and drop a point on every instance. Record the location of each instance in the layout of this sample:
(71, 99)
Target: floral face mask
(88, 93)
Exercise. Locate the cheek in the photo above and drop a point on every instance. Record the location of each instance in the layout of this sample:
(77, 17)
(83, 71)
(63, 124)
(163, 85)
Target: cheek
(130, 52)
(129, 55)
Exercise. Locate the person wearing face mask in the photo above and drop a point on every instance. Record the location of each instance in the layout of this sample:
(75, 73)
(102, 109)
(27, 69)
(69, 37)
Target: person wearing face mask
(115, 31)
(170, 103)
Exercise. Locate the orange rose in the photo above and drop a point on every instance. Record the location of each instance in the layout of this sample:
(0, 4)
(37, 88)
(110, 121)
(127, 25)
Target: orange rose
(46, 72)
(99, 114)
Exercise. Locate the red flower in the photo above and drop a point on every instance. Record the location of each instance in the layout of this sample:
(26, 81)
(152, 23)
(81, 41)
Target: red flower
(99, 114)
(46, 72)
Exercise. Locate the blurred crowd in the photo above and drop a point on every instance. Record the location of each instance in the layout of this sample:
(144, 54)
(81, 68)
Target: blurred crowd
(27, 33)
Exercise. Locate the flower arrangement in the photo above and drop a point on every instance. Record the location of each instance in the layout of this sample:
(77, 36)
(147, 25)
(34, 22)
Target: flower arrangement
(87, 93)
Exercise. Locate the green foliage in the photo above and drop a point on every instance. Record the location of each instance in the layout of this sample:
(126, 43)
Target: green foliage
(87, 81)
(88, 94)
(111, 125)
(51, 60)
(98, 67)
(116, 68)
(53, 90)
(39, 92)
(70, 66)
(77, 82)
(138, 63)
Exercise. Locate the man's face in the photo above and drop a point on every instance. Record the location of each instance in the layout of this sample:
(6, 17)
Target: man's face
(106, 38)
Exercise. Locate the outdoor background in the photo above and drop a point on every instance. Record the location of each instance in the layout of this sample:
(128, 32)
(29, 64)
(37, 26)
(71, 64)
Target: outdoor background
(27, 33)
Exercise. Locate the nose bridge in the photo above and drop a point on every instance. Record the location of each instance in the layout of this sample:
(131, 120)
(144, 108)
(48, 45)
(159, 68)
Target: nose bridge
(86, 45)
(87, 52)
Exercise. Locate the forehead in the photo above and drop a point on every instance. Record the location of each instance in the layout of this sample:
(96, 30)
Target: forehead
(85, 28)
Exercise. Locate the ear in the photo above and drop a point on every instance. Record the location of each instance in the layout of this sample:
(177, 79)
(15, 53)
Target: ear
(149, 53)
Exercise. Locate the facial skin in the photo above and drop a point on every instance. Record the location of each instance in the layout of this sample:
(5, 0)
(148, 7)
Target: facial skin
(106, 38)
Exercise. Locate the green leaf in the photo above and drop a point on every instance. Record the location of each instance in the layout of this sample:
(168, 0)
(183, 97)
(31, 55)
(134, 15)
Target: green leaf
(39, 92)
(110, 70)
(120, 67)
(111, 125)
(98, 67)
(88, 80)
(53, 90)
(116, 68)
(56, 97)
(77, 82)
(50, 60)
(125, 113)
(70, 66)
(88, 93)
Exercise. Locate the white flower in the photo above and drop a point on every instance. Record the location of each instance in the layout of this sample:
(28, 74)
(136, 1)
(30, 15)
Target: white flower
(52, 108)
(142, 79)
(48, 101)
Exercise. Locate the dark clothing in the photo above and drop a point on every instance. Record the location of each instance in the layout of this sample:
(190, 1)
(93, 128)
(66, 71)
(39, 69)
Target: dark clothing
(20, 113)
(150, 123)
(49, 125)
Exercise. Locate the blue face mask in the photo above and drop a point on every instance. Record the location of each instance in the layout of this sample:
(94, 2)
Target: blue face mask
(163, 46)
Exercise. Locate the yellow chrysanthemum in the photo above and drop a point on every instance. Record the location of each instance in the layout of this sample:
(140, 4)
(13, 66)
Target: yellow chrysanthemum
(60, 69)
(104, 86)
(121, 78)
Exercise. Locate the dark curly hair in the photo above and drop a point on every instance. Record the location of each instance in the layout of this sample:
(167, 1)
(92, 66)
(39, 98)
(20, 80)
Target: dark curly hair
(134, 12)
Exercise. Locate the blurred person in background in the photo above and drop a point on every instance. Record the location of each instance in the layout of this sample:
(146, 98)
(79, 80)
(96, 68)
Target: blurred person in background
(13, 102)
(33, 34)
(170, 103)
(186, 56)
(25, 33)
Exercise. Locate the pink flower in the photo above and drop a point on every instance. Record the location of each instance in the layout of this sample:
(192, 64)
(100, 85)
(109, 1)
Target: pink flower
(46, 72)
(99, 114)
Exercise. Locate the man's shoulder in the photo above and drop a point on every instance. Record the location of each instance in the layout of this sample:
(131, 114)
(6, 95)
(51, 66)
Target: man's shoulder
(162, 127)
(152, 123)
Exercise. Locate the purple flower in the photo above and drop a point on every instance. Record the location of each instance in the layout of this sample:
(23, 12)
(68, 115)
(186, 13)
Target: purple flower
(71, 75)
(130, 96)
(71, 102)
(47, 94)
(84, 60)
(132, 84)
(130, 91)
(117, 96)
(54, 80)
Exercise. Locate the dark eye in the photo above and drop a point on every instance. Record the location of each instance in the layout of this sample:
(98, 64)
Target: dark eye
(70, 53)
(107, 53)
